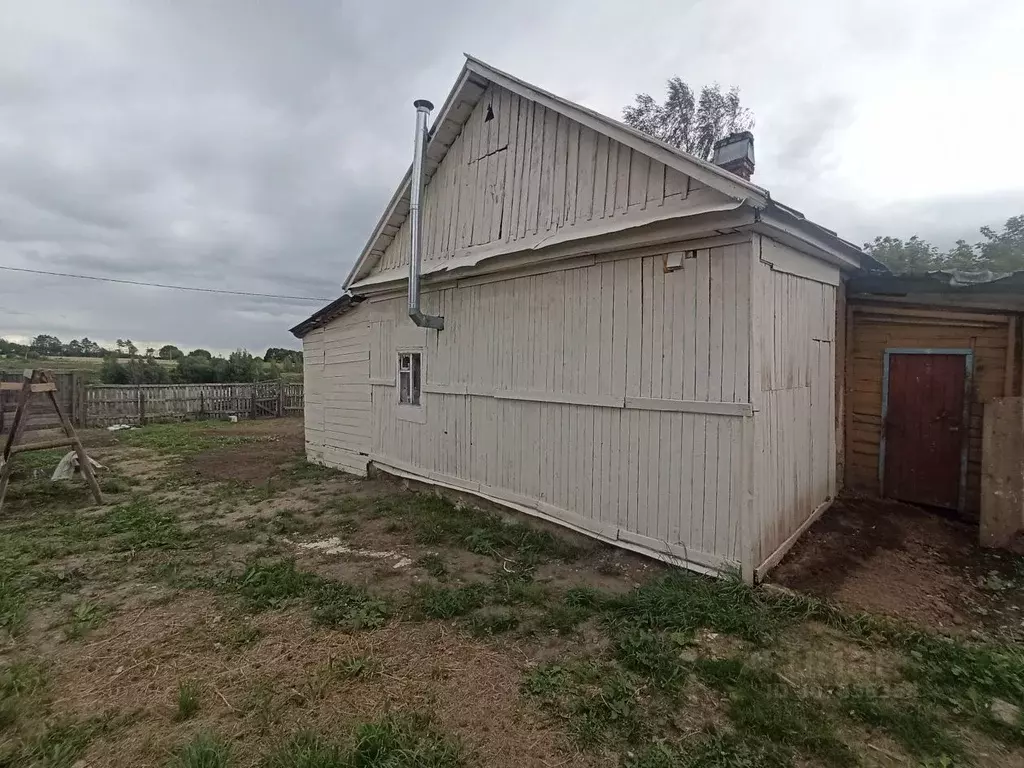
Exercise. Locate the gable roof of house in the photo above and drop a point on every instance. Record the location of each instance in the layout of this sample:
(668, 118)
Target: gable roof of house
(464, 96)
(471, 85)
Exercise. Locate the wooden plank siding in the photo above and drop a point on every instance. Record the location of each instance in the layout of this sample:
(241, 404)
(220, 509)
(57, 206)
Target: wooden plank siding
(529, 172)
(794, 397)
(879, 326)
(337, 392)
(610, 397)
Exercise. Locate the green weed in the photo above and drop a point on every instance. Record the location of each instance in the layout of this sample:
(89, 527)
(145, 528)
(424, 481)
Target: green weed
(273, 585)
(188, 700)
(715, 750)
(911, 723)
(61, 744)
(206, 750)
(601, 703)
(184, 439)
(761, 704)
(139, 524)
(448, 602)
(343, 606)
(85, 616)
(243, 635)
(358, 666)
(403, 741)
(19, 684)
(685, 602)
(435, 520)
(307, 750)
(486, 624)
(651, 655)
(434, 564)
(334, 603)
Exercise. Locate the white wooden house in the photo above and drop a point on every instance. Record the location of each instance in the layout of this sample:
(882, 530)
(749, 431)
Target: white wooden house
(636, 344)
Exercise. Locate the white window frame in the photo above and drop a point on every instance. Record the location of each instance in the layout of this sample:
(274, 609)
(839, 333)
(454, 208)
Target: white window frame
(411, 411)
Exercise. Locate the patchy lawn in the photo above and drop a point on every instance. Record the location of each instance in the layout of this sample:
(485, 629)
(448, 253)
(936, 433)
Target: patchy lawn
(232, 605)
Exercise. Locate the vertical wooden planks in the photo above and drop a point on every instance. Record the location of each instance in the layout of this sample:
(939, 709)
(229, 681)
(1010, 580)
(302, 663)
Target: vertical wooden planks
(560, 173)
(586, 171)
(568, 217)
(625, 160)
(511, 139)
(601, 157)
(520, 206)
(533, 197)
(547, 170)
(639, 168)
(676, 185)
(655, 196)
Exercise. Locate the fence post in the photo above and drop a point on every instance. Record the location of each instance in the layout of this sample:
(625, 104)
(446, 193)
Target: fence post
(252, 401)
(280, 398)
(73, 406)
(142, 407)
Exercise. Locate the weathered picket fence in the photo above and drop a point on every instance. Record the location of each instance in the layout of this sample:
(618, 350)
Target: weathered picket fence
(40, 413)
(101, 405)
(109, 404)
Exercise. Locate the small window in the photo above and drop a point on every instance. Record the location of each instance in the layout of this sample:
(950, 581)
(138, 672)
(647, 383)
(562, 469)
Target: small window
(409, 378)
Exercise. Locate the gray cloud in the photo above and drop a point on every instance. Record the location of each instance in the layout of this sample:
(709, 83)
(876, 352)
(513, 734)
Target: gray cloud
(252, 146)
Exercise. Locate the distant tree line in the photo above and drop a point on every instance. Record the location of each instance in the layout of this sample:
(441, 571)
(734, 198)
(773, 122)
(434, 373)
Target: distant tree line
(1001, 251)
(124, 364)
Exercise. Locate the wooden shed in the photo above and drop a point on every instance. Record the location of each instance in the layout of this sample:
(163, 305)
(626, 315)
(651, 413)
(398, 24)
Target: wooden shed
(636, 344)
(925, 353)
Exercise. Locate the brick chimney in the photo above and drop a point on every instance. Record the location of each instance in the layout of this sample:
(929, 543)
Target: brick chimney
(735, 153)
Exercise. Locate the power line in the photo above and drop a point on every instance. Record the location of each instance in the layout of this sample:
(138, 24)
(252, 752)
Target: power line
(161, 285)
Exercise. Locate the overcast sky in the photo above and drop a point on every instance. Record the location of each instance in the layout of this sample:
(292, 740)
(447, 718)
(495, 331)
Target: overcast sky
(253, 145)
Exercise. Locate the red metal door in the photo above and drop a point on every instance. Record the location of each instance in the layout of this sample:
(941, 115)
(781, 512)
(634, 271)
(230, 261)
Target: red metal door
(924, 429)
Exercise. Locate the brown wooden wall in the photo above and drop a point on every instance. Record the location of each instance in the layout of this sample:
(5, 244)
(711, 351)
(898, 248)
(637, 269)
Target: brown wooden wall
(872, 328)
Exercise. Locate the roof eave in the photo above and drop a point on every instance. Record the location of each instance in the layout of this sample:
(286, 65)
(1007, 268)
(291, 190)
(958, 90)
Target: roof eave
(344, 303)
(777, 221)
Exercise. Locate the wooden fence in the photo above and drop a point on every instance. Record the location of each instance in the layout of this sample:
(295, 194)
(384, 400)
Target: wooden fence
(41, 415)
(107, 404)
(100, 405)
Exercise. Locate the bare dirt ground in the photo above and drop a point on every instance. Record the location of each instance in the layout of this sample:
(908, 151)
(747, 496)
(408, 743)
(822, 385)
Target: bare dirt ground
(895, 559)
(231, 606)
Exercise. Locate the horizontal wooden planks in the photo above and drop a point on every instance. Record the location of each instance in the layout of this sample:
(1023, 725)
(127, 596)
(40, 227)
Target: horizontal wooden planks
(877, 328)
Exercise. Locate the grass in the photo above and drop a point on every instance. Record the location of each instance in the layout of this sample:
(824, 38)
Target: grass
(357, 666)
(436, 520)
(628, 693)
(141, 524)
(21, 683)
(307, 750)
(273, 585)
(188, 700)
(434, 564)
(403, 741)
(712, 750)
(183, 440)
(680, 671)
(58, 745)
(395, 741)
(912, 723)
(761, 704)
(206, 750)
(85, 616)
